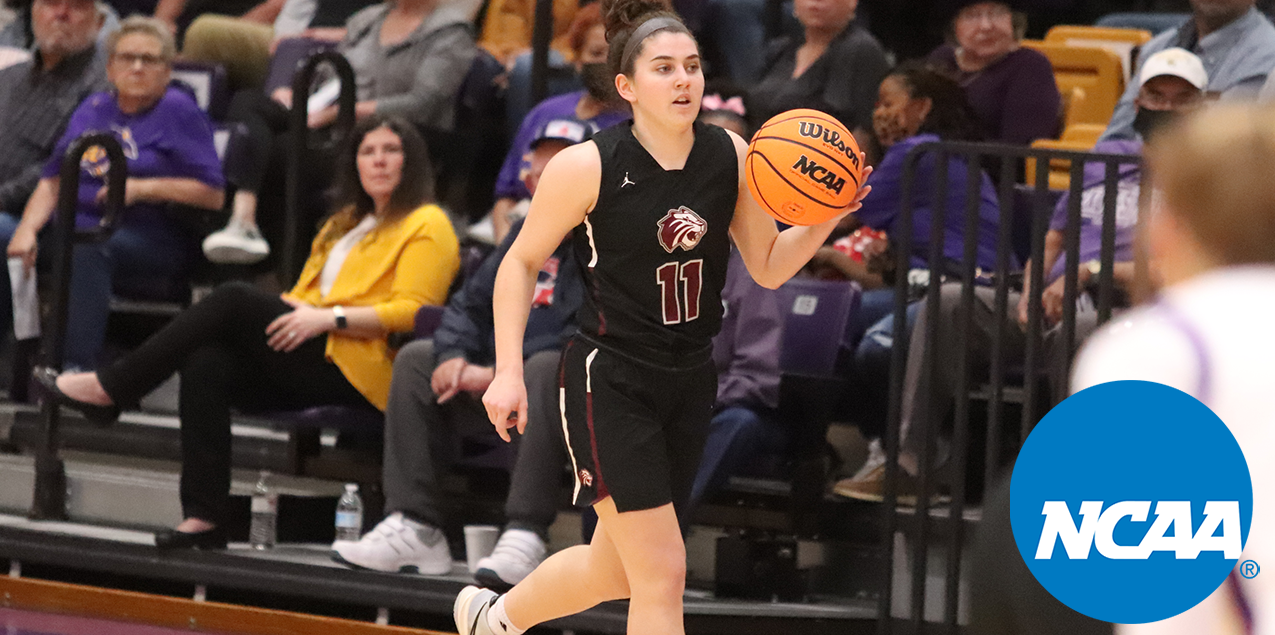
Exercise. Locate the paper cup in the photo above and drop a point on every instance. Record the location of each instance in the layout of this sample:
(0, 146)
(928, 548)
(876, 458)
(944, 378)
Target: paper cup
(480, 540)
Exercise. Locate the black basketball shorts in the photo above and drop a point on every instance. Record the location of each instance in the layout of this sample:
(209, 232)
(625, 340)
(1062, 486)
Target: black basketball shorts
(635, 430)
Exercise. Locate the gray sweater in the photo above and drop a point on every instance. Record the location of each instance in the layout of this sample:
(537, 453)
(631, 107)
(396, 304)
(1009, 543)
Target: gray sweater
(418, 78)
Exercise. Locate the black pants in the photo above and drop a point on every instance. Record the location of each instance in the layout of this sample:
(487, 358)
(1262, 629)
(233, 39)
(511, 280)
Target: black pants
(219, 346)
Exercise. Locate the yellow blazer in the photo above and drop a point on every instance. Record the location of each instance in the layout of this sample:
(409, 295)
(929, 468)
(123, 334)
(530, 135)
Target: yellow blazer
(395, 269)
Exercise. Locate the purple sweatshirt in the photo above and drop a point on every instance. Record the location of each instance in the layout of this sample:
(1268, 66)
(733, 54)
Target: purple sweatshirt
(1091, 207)
(882, 208)
(509, 182)
(174, 138)
(746, 350)
(1016, 99)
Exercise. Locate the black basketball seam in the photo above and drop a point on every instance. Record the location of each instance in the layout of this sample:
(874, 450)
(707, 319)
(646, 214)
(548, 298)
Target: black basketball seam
(752, 167)
(830, 119)
(794, 187)
(850, 173)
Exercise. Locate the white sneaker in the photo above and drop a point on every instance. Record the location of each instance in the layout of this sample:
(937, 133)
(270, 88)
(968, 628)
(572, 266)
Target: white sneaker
(397, 545)
(236, 244)
(517, 553)
(470, 610)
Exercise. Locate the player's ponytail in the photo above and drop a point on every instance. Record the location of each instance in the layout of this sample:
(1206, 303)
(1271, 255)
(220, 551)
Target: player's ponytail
(626, 18)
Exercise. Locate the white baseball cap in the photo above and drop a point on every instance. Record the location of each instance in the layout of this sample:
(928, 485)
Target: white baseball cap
(1177, 62)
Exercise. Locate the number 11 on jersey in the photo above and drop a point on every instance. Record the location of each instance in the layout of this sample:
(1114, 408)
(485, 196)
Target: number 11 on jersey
(683, 307)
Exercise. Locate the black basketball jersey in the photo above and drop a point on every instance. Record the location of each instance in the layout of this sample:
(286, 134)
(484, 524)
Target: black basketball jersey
(655, 247)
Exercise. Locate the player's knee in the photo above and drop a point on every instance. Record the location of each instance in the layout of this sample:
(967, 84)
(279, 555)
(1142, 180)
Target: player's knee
(664, 574)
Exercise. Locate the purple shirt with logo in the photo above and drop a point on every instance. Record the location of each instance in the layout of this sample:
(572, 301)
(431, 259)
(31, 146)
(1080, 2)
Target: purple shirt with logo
(173, 139)
(1091, 207)
(882, 208)
(509, 182)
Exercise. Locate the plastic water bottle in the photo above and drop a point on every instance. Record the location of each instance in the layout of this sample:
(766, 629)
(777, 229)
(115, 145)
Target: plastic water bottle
(265, 511)
(349, 514)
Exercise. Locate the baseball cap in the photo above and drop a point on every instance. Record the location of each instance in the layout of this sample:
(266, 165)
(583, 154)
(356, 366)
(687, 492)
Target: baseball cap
(1177, 62)
(566, 130)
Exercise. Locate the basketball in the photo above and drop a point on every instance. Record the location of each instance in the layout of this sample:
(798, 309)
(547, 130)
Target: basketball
(803, 167)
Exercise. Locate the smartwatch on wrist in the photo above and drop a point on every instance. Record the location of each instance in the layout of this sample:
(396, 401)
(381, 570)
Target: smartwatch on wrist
(341, 322)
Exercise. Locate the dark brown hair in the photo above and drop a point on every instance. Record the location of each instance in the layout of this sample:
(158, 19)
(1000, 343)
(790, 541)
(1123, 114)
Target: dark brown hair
(415, 186)
(623, 17)
(1213, 169)
(951, 116)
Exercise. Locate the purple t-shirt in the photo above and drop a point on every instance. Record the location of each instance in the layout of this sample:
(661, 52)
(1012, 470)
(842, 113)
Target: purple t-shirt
(173, 139)
(508, 182)
(1016, 98)
(1091, 207)
(882, 208)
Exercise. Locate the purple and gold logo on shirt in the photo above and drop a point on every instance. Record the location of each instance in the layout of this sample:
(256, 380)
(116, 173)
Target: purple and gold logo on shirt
(96, 163)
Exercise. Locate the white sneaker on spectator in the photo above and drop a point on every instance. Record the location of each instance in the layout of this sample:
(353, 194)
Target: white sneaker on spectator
(517, 553)
(236, 244)
(470, 610)
(397, 545)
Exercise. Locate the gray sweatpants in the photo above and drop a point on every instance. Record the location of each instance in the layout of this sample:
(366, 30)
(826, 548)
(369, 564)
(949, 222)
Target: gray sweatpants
(417, 426)
(939, 395)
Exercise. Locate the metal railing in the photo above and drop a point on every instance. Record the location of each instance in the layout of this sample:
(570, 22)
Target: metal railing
(299, 146)
(49, 498)
(919, 526)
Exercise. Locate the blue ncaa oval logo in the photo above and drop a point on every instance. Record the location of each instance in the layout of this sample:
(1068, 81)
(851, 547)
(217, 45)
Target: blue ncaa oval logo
(1131, 502)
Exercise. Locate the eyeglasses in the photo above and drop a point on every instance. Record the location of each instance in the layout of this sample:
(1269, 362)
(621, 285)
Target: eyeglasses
(991, 14)
(129, 60)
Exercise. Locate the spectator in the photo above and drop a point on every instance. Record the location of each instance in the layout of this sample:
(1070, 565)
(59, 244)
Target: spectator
(245, 44)
(593, 109)
(835, 67)
(1233, 39)
(1172, 82)
(438, 384)
(38, 96)
(168, 142)
(1011, 89)
(18, 35)
(409, 59)
(917, 105)
(386, 252)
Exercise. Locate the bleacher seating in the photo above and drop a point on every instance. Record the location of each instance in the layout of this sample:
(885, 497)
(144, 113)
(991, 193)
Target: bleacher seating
(1097, 71)
(1123, 42)
(1079, 137)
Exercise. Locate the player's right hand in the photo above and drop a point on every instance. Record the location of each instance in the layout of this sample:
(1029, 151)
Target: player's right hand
(506, 403)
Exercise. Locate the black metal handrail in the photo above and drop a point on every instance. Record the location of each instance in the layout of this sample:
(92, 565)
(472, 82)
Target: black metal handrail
(299, 146)
(976, 155)
(48, 501)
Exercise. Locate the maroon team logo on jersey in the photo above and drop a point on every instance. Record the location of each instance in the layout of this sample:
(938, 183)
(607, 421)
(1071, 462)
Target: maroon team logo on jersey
(681, 227)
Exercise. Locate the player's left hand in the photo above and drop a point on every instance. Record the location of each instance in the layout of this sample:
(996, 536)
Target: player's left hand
(856, 204)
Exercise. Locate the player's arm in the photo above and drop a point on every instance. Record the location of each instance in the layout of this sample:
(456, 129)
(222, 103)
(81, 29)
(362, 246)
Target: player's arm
(772, 257)
(567, 191)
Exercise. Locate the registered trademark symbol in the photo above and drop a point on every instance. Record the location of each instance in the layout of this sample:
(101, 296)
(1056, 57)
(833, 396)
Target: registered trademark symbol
(1249, 569)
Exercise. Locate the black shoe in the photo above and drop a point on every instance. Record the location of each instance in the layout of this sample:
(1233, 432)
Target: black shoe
(100, 415)
(214, 538)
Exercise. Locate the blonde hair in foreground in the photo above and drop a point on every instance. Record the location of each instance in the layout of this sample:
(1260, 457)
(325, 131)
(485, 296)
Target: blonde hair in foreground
(1216, 170)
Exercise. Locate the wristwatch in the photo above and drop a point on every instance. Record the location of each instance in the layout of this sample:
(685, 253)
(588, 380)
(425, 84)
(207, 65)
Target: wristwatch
(339, 312)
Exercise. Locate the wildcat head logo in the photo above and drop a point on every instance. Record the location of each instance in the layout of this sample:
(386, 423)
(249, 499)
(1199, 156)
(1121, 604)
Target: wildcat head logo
(681, 227)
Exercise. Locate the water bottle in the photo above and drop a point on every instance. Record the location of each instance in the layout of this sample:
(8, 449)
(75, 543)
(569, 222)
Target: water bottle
(349, 514)
(265, 510)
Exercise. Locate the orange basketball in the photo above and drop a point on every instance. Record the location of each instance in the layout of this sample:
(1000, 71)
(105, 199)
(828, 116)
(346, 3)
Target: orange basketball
(803, 167)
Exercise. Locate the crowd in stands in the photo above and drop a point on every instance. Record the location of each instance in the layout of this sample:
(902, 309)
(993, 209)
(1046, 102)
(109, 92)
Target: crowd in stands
(388, 248)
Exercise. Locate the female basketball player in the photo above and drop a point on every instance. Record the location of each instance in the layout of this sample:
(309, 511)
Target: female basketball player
(650, 203)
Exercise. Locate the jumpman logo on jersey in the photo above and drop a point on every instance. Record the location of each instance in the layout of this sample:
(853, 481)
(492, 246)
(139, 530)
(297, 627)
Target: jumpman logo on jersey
(626, 181)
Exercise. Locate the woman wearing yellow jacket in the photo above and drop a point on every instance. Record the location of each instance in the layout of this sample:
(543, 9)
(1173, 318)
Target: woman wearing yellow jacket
(383, 254)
